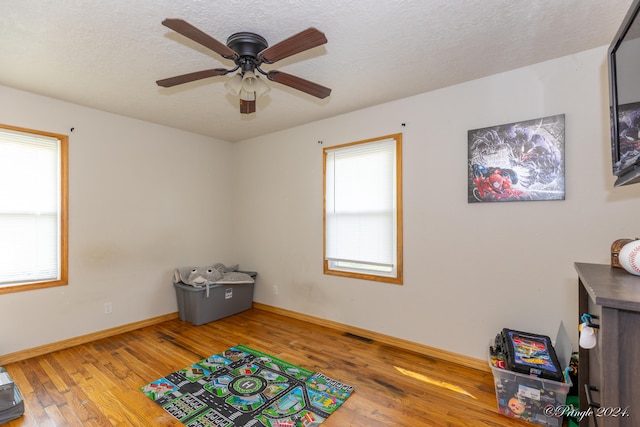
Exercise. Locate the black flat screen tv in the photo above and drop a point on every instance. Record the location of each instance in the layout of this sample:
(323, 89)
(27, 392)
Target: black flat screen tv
(624, 91)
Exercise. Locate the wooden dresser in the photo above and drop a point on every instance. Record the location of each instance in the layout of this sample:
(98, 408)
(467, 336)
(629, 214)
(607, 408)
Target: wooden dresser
(611, 370)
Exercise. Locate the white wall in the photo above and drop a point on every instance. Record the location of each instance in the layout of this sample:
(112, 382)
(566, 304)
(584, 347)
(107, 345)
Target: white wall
(470, 269)
(143, 200)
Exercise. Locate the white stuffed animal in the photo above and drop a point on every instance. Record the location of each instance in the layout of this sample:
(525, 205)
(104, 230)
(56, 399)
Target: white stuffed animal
(197, 276)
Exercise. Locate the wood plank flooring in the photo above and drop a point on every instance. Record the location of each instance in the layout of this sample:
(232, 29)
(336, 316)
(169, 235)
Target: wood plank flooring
(97, 384)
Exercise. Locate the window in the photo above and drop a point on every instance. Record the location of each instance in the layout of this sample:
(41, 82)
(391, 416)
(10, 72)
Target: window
(363, 209)
(33, 209)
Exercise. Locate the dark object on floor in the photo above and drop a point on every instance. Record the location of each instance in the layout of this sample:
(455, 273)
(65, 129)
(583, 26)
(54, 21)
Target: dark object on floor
(11, 403)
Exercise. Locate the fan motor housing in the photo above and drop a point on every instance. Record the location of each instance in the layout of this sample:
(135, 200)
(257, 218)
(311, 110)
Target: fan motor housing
(247, 44)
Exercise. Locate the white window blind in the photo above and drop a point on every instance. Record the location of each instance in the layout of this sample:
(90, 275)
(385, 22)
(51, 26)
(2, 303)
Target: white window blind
(29, 208)
(360, 191)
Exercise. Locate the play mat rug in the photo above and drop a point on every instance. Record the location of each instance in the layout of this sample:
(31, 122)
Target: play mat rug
(243, 387)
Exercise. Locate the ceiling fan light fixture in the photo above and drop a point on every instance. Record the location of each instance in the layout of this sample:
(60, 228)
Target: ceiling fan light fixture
(261, 87)
(246, 95)
(249, 81)
(234, 84)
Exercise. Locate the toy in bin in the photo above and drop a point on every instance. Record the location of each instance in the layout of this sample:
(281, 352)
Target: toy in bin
(530, 354)
(521, 363)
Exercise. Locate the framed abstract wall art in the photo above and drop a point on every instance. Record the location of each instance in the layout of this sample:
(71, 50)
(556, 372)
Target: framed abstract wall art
(517, 161)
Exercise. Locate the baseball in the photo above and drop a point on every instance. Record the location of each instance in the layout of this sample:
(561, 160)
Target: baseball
(629, 257)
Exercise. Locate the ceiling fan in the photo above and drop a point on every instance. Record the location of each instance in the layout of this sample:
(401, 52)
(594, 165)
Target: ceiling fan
(248, 51)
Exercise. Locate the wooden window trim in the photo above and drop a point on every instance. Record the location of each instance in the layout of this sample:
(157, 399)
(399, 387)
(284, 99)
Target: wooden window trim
(398, 280)
(64, 215)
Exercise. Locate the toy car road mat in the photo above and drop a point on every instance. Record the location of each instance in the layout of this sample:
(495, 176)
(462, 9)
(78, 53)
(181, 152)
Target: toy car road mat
(246, 387)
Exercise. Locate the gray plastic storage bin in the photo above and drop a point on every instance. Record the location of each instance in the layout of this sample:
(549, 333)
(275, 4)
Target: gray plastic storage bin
(11, 403)
(224, 300)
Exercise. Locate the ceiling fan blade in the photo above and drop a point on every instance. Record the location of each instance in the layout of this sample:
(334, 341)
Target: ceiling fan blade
(247, 107)
(303, 85)
(300, 42)
(188, 30)
(186, 78)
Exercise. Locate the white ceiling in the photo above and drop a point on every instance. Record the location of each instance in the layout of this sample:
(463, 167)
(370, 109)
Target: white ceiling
(108, 54)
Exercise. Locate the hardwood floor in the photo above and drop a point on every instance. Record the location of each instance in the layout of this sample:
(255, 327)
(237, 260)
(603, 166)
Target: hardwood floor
(97, 384)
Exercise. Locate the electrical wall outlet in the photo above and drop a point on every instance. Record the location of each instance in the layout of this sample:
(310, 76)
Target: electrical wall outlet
(275, 290)
(108, 308)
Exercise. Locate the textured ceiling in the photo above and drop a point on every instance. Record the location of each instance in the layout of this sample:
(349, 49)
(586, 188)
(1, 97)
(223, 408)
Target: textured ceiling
(108, 54)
